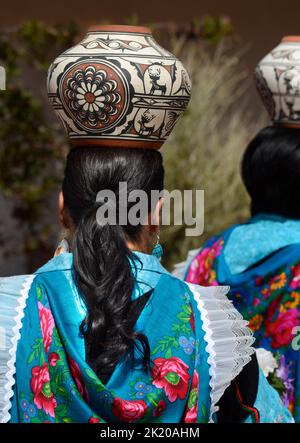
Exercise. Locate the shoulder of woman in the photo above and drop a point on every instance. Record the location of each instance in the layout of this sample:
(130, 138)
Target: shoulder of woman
(14, 291)
(173, 288)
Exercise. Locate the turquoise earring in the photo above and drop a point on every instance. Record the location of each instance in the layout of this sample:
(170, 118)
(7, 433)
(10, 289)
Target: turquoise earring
(158, 249)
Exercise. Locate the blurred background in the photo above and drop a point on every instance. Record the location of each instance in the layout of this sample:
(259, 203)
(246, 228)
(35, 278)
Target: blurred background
(220, 42)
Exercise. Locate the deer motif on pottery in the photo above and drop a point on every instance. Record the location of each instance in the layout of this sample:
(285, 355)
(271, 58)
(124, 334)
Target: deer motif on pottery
(147, 123)
(154, 74)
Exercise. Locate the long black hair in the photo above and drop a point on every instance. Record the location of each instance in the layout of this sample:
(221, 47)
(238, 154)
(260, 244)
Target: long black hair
(102, 266)
(271, 172)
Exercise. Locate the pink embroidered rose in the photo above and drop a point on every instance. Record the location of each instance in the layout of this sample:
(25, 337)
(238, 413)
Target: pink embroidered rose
(201, 269)
(94, 420)
(160, 408)
(40, 386)
(47, 325)
(129, 411)
(172, 375)
(281, 330)
(53, 359)
(192, 404)
(75, 371)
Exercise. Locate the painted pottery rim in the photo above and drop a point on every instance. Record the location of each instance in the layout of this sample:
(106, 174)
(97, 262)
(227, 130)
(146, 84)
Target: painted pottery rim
(291, 38)
(120, 28)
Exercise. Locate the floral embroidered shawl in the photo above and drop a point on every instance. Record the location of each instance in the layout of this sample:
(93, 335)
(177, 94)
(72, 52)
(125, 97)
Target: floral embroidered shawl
(267, 294)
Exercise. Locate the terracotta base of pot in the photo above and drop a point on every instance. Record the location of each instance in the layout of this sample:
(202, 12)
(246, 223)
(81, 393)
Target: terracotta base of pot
(139, 144)
(291, 38)
(120, 29)
(288, 125)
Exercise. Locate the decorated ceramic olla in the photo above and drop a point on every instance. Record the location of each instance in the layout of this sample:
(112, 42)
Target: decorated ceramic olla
(278, 82)
(118, 87)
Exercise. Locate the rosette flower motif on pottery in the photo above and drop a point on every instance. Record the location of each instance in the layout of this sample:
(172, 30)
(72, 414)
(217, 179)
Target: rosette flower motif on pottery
(92, 95)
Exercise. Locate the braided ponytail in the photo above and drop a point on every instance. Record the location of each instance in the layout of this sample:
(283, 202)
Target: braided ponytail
(102, 259)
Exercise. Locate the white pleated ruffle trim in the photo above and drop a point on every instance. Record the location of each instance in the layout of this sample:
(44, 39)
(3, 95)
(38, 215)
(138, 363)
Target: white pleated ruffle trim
(229, 340)
(13, 296)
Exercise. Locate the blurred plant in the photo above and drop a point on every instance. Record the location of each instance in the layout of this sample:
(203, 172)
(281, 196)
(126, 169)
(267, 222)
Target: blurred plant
(205, 148)
(31, 153)
(209, 29)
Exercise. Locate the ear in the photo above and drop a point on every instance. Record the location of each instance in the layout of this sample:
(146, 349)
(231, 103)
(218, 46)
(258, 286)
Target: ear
(63, 215)
(155, 216)
(61, 205)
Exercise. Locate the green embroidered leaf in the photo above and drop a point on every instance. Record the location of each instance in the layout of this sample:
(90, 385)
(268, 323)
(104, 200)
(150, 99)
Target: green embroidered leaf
(181, 329)
(91, 375)
(185, 314)
(165, 343)
(152, 397)
(67, 420)
(39, 293)
(177, 328)
(65, 371)
(132, 395)
(58, 378)
(37, 351)
(62, 391)
(61, 410)
(152, 400)
(30, 358)
(169, 353)
(56, 339)
(35, 420)
(100, 388)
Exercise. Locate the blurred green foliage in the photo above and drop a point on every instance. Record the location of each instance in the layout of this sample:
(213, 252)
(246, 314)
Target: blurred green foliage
(31, 153)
